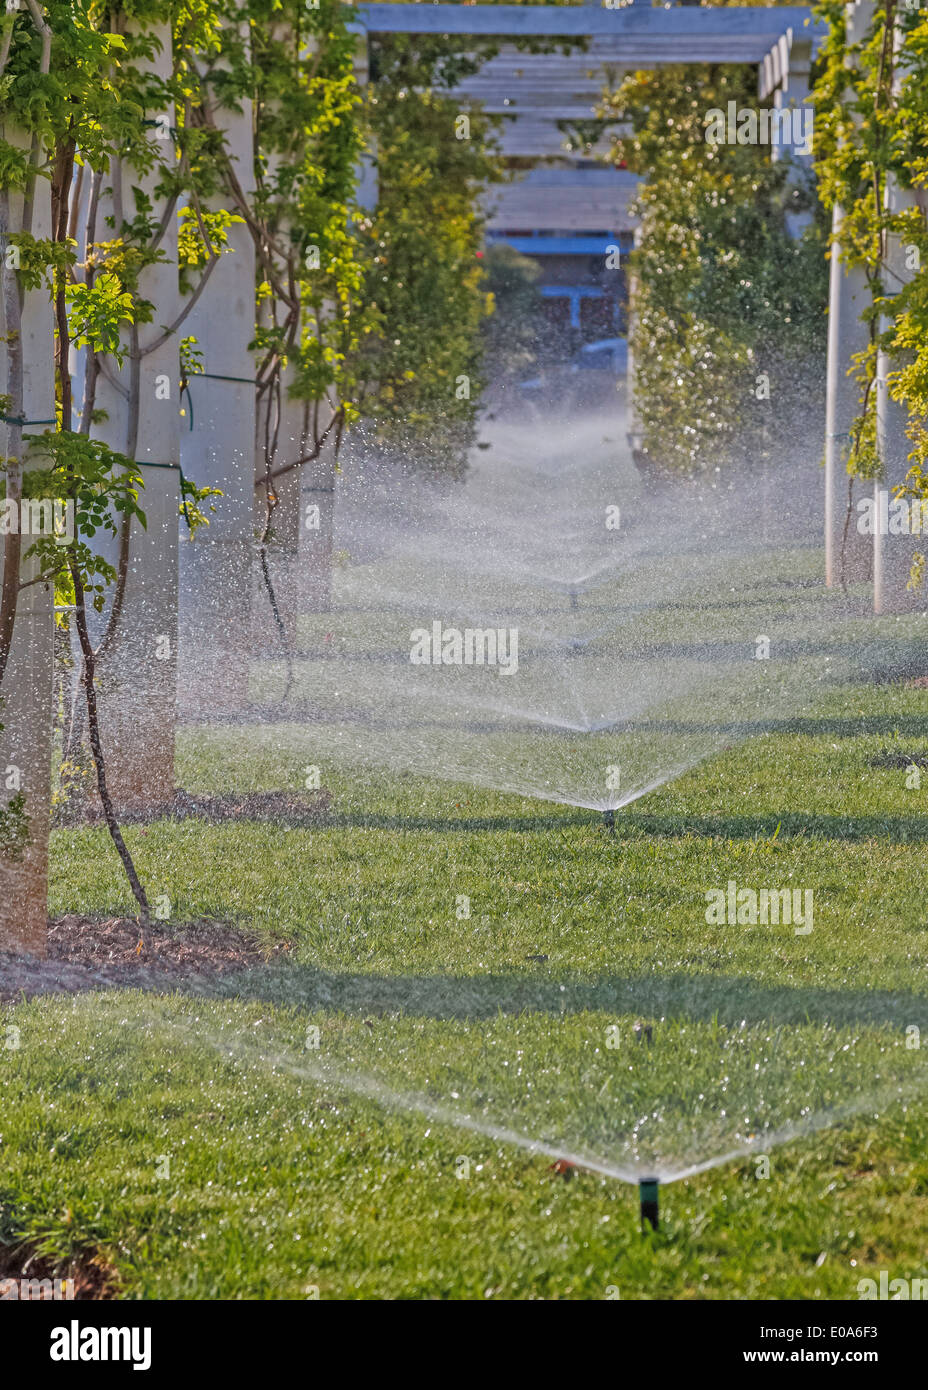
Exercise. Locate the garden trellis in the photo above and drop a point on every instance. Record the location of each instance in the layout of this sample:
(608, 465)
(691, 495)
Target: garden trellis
(178, 187)
(131, 187)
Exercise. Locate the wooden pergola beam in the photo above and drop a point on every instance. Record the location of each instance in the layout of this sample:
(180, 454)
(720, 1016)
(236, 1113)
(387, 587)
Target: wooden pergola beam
(649, 36)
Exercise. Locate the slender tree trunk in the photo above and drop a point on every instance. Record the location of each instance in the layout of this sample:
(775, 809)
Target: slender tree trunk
(26, 623)
(96, 746)
(61, 203)
(12, 544)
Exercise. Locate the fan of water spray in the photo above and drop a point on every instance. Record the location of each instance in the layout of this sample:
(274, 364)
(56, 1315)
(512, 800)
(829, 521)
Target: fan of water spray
(551, 628)
(657, 1111)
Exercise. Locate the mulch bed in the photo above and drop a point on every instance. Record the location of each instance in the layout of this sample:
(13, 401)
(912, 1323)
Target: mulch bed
(290, 811)
(112, 953)
(20, 1269)
(93, 953)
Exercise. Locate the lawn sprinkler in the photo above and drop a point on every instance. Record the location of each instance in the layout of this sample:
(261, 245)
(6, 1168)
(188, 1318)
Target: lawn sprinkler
(609, 822)
(647, 1198)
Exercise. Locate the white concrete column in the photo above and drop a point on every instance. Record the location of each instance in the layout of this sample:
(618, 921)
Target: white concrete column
(138, 670)
(632, 417)
(26, 692)
(317, 522)
(216, 437)
(848, 297)
(893, 553)
(368, 188)
(792, 94)
(282, 552)
(318, 478)
(280, 427)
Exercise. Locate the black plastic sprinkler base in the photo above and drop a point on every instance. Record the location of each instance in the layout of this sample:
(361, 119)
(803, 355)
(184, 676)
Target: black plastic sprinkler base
(574, 600)
(609, 822)
(647, 1197)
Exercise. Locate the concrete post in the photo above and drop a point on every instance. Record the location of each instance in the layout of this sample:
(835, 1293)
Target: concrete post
(848, 297)
(317, 519)
(280, 426)
(216, 449)
(26, 692)
(138, 670)
(892, 553)
(318, 478)
(792, 93)
(282, 552)
(368, 192)
(633, 429)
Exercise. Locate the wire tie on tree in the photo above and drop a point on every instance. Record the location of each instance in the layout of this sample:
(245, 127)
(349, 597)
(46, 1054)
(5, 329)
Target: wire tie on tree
(150, 463)
(211, 376)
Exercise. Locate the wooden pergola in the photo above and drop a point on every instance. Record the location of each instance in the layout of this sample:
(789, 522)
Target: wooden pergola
(536, 92)
(218, 446)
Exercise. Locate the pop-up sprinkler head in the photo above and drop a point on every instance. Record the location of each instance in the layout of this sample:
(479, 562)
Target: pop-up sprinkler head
(574, 599)
(609, 822)
(647, 1197)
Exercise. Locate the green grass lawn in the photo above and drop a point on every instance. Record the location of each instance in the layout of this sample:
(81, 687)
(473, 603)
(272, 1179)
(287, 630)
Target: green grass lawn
(286, 1167)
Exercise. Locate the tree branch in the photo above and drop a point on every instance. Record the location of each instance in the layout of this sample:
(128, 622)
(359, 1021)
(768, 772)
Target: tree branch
(93, 728)
(169, 332)
(272, 473)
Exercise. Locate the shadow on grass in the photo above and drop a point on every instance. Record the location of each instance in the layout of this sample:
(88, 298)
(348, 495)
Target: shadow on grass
(556, 820)
(811, 825)
(632, 826)
(269, 716)
(810, 726)
(727, 1001)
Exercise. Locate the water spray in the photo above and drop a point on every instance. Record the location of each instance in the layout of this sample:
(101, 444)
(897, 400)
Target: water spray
(647, 1198)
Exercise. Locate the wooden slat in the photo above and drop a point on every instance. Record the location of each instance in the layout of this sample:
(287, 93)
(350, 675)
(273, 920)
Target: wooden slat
(581, 205)
(720, 33)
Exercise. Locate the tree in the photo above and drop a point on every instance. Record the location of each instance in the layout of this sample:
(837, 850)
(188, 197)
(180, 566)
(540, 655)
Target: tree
(871, 102)
(729, 308)
(516, 326)
(423, 244)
